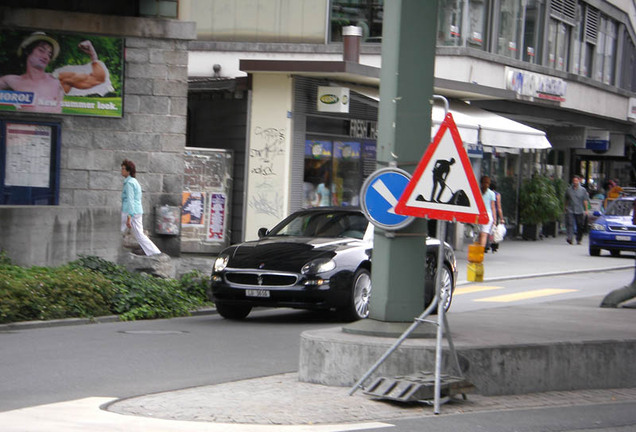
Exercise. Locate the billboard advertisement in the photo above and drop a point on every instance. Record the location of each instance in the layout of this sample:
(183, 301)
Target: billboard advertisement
(61, 73)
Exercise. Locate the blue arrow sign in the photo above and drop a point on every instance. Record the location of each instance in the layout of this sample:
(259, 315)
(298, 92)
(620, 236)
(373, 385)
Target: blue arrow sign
(379, 196)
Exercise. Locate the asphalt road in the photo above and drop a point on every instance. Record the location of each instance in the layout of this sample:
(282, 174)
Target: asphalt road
(123, 359)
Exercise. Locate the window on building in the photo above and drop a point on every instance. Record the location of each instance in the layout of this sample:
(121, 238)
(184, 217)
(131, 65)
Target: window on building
(532, 31)
(362, 13)
(462, 23)
(511, 21)
(560, 29)
(605, 51)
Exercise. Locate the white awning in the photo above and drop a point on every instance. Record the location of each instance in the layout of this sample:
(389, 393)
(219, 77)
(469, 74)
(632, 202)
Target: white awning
(477, 125)
(494, 130)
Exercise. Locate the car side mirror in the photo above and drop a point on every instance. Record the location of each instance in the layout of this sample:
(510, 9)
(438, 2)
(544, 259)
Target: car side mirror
(262, 232)
(597, 213)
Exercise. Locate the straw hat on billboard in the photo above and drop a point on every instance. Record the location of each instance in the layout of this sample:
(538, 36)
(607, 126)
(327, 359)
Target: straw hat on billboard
(40, 36)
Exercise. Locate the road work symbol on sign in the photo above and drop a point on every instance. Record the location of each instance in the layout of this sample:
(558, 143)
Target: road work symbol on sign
(444, 186)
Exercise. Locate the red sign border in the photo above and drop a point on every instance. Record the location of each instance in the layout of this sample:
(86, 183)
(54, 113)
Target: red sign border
(476, 218)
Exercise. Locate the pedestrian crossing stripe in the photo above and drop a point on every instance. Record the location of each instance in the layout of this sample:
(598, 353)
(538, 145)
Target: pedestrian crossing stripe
(475, 289)
(525, 295)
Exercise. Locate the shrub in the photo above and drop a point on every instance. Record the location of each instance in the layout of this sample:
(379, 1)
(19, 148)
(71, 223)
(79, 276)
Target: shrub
(538, 201)
(41, 293)
(92, 286)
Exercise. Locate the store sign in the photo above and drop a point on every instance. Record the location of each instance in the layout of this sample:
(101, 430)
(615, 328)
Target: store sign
(597, 140)
(475, 150)
(564, 138)
(631, 114)
(83, 73)
(363, 129)
(534, 85)
(333, 99)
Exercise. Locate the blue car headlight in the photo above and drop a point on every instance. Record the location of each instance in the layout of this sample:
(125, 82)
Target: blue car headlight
(597, 227)
(319, 265)
(220, 263)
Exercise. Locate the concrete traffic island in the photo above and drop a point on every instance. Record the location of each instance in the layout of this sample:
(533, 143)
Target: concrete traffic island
(568, 345)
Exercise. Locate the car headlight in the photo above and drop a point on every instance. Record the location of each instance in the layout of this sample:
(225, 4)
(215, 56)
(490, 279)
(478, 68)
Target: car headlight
(597, 227)
(319, 265)
(220, 263)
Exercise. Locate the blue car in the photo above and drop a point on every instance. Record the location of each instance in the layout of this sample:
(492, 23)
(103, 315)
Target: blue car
(614, 230)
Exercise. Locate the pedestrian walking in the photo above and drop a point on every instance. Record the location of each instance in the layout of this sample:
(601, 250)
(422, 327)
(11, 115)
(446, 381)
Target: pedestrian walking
(576, 204)
(132, 210)
(489, 201)
(499, 219)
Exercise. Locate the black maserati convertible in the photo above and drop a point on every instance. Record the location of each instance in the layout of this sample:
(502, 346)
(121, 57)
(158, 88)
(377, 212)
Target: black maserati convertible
(317, 258)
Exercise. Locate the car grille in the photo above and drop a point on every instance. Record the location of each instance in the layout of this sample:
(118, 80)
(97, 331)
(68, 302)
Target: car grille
(261, 279)
(622, 228)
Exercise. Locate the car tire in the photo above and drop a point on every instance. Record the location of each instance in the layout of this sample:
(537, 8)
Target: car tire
(233, 312)
(594, 251)
(447, 285)
(360, 296)
(615, 253)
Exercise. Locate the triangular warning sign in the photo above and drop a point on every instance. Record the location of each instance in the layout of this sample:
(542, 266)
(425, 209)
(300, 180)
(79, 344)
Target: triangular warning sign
(444, 186)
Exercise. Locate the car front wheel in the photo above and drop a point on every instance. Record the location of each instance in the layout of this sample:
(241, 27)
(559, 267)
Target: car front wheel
(233, 312)
(360, 296)
(595, 251)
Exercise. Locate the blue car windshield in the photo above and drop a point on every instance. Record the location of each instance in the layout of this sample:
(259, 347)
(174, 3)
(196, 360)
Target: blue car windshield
(323, 224)
(620, 207)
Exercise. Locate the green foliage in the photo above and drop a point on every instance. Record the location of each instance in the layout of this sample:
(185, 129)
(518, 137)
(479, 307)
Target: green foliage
(4, 258)
(538, 201)
(92, 286)
(41, 293)
(560, 187)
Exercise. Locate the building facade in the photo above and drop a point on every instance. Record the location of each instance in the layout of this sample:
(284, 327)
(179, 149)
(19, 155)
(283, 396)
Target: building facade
(564, 67)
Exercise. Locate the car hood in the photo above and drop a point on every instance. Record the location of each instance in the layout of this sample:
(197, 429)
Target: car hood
(287, 253)
(617, 220)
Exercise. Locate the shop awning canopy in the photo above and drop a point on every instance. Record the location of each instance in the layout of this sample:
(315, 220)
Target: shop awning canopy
(476, 125)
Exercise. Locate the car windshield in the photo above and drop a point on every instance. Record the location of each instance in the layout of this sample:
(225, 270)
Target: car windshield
(620, 207)
(323, 224)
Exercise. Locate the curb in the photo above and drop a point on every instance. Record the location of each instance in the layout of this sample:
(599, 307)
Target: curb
(27, 325)
(538, 275)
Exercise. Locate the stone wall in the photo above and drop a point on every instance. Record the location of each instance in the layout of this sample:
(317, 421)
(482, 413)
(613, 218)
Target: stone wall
(152, 133)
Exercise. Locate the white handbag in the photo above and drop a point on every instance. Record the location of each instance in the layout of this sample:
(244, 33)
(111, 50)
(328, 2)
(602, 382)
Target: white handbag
(499, 233)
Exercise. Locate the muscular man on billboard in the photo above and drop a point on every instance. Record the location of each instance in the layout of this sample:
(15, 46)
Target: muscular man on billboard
(42, 91)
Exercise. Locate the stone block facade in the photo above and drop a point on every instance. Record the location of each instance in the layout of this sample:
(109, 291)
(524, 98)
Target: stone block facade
(152, 133)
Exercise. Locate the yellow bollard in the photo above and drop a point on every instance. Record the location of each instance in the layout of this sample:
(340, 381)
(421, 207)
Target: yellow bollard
(475, 259)
(475, 272)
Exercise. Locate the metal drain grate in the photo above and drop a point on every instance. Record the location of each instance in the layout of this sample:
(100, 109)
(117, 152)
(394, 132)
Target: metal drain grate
(418, 387)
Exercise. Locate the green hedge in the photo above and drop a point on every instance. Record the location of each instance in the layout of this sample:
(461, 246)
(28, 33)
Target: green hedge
(91, 287)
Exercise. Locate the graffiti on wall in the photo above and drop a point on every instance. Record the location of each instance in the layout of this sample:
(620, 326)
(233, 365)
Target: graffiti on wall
(266, 158)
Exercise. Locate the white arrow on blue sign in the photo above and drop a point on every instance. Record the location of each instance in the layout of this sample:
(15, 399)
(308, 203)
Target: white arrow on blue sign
(379, 196)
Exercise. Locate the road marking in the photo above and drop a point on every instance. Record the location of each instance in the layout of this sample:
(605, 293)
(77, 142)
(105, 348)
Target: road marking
(525, 295)
(85, 415)
(474, 289)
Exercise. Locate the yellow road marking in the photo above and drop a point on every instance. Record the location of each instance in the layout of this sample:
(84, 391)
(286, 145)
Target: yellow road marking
(474, 288)
(525, 295)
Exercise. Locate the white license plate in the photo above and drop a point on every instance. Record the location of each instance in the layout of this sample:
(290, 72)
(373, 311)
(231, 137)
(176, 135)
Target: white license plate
(257, 293)
(623, 238)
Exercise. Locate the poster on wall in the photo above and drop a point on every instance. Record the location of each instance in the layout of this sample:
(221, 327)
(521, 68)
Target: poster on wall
(192, 205)
(216, 221)
(61, 73)
(28, 155)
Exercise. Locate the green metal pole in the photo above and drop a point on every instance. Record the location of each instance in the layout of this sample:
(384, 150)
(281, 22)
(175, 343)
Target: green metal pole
(406, 89)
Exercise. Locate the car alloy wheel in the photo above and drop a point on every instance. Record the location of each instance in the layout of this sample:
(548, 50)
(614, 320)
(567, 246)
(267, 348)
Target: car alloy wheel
(361, 294)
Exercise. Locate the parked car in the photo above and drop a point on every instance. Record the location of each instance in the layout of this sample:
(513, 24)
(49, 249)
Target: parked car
(614, 229)
(317, 258)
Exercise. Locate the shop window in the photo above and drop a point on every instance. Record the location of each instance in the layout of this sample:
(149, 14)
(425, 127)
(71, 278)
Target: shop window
(29, 163)
(334, 171)
(366, 14)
